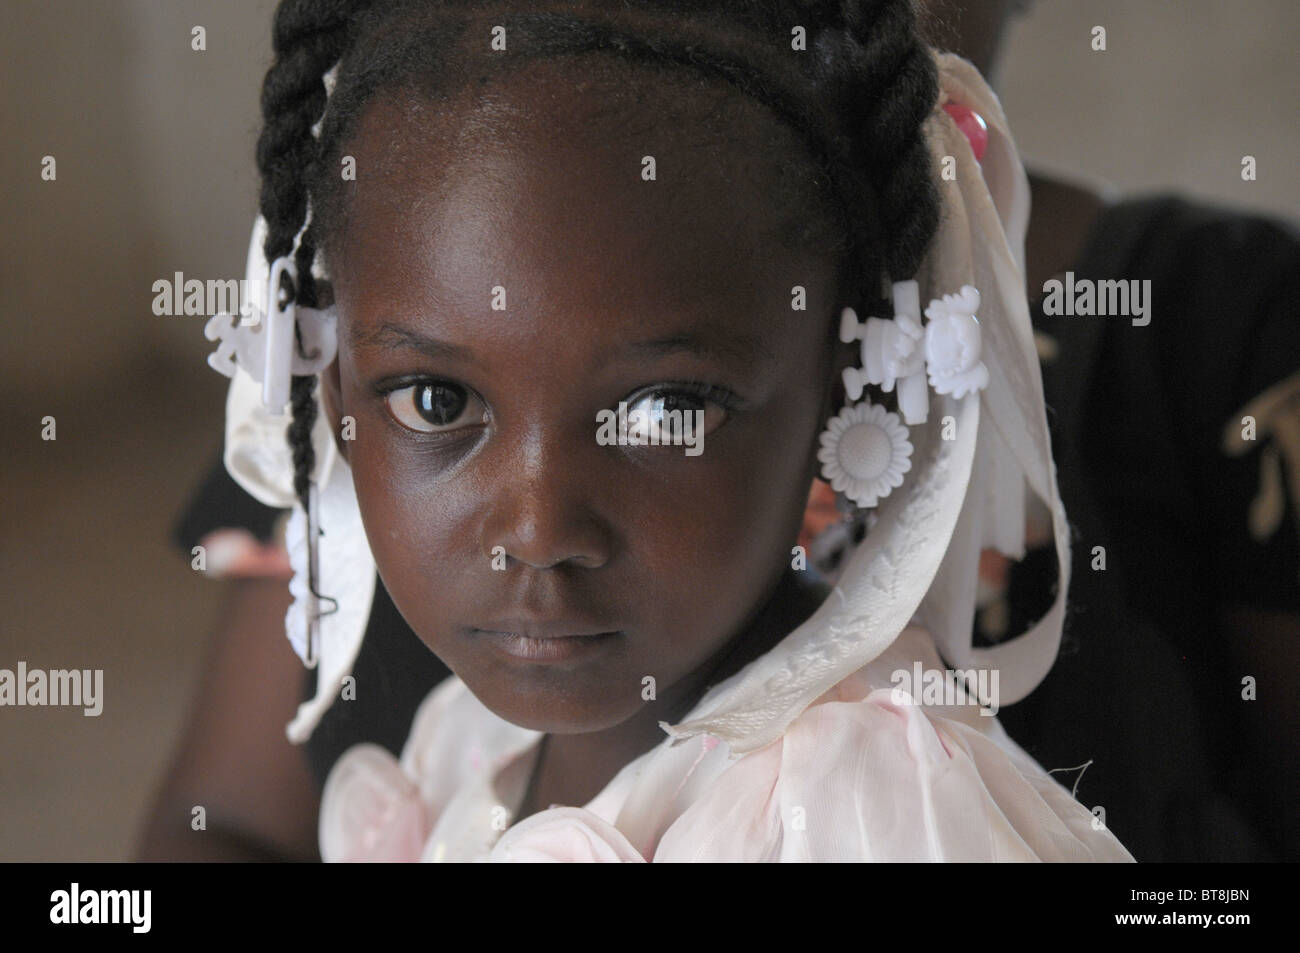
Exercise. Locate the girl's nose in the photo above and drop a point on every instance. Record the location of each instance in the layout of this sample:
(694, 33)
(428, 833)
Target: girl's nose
(540, 508)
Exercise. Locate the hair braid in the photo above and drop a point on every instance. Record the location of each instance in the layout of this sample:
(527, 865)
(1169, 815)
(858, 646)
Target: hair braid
(308, 37)
(302, 401)
(903, 86)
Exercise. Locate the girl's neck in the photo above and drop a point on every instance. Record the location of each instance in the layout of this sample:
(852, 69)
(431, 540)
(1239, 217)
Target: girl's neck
(572, 769)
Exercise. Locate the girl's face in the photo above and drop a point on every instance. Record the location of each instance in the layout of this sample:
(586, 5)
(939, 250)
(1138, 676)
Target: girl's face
(493, 512)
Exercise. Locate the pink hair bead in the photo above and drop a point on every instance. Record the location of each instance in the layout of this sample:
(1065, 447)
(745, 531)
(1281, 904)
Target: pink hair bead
(972, 126)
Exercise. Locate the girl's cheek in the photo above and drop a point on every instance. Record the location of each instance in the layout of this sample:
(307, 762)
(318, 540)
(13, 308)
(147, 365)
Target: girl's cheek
(714, 516)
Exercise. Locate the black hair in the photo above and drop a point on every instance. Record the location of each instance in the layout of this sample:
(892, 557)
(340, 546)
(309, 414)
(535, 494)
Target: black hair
(858, 96)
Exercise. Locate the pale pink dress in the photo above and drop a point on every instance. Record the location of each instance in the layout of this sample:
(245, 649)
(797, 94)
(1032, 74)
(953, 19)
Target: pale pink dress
(864, 773)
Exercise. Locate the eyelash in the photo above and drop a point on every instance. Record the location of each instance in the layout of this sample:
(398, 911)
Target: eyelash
(700, 390)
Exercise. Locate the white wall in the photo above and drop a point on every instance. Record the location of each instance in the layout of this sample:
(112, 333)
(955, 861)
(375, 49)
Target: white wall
(1184, 89)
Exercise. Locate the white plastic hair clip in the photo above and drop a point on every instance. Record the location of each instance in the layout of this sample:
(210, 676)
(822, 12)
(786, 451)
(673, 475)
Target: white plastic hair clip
(902, 352)
(268, 350)
(953, 342)
(864, 448)
(864, 453)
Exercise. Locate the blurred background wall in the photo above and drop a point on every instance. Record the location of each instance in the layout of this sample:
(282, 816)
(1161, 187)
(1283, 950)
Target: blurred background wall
(154, 142)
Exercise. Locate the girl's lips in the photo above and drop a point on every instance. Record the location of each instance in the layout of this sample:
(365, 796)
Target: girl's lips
(534, 628)
(549, 648)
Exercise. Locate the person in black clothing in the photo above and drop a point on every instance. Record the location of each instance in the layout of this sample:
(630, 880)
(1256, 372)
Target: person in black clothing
(1149, 681)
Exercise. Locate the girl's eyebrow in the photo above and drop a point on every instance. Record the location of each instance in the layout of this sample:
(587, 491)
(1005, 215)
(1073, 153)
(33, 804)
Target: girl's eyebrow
(390, 337)
(745, 349)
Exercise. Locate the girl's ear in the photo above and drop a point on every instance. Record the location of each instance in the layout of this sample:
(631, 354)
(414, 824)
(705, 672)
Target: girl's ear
(331, 400)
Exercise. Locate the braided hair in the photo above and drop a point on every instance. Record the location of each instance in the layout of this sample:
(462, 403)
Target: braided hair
(857, 96)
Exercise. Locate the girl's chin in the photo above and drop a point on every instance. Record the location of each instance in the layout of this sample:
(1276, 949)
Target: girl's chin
(588, 684)
(585, 709)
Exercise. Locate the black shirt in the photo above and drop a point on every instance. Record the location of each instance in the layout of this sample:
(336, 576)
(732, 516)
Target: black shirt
(1143, 685)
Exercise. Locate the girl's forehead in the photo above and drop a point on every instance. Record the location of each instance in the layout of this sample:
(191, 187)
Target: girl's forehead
(545, 177)
(666, 134)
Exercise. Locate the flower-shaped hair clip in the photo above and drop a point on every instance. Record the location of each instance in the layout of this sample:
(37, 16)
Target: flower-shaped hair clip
(864, 453)
(865, 450)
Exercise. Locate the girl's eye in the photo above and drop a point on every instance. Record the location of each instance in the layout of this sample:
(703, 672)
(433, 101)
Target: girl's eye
(668, 412)
(436, 406)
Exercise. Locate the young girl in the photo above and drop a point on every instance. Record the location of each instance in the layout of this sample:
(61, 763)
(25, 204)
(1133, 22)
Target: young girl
(484, 232)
